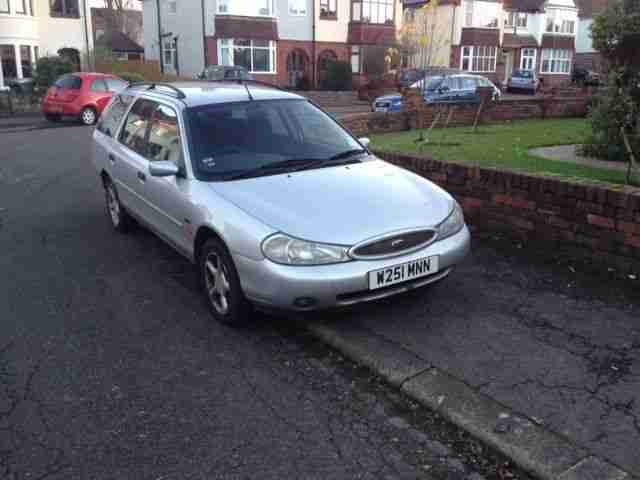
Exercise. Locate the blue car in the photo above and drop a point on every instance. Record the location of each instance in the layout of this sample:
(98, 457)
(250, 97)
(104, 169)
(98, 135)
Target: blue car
(459, 88)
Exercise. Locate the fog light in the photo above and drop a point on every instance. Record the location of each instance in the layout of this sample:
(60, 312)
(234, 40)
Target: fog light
(304, 302)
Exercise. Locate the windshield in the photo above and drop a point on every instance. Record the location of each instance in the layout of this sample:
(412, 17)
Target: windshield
(229, 139)
(523, 74)
(432, 83)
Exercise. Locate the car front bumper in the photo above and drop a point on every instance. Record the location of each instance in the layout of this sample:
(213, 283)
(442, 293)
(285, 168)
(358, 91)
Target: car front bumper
(272, 285)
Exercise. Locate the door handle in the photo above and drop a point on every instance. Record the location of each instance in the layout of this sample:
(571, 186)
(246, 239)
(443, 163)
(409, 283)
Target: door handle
(112, 158)
(141, 176)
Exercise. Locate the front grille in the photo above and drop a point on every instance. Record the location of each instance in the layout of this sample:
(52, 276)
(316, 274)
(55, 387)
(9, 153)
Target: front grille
(395, 244)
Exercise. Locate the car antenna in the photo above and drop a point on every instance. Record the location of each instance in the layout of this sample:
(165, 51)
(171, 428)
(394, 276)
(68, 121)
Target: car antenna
(247, 89)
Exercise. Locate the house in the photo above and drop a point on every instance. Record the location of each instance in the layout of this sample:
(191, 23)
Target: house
(285, 42)
(121, 32)
(494, 38)
(586, 56)
(30, 29)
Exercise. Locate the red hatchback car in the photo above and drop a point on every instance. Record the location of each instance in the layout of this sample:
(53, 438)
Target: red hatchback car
(81, 95)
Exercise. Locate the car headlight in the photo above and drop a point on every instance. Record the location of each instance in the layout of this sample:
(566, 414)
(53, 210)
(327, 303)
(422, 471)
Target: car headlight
(281, 248)
(453, 224)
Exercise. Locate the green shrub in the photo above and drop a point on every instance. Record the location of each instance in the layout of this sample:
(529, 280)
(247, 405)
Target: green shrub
(131, 77)
(48, 69)
(338, 76)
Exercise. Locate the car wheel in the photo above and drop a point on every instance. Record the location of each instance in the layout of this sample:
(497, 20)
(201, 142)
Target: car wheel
(52, 117)
(221, 285)
(120, 219)
(88, 116)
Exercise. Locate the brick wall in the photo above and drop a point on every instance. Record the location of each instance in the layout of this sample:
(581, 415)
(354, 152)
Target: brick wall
(589, 219)
(365, 124)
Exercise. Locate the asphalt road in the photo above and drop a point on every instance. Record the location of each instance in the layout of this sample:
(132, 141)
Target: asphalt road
(110, 367)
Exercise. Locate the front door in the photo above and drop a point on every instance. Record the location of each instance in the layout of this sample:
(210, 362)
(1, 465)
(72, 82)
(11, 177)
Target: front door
(296, 67)
(508, 66)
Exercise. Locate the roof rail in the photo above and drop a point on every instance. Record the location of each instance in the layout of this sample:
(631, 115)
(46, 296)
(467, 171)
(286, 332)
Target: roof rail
(152, 86)
(242, 81)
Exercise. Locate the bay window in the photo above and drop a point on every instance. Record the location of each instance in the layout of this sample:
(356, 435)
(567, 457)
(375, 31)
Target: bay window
(21, 7)
(257, 56)
(5, 7)
(64, 8)
(560, 21)
(480, 59)
(528, 59)
(556, 61)
(372, 11)
(484, 17)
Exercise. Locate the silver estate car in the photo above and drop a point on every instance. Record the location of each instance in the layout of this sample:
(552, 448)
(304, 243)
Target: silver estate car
(275, 202)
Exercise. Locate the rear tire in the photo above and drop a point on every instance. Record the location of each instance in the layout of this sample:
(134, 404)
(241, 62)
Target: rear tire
(52, 117)
(221, 285)
(120, 219)
(88, 116)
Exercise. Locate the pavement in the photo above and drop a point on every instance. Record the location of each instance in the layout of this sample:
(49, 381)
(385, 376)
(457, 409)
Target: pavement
(111, 368)
(568, 153)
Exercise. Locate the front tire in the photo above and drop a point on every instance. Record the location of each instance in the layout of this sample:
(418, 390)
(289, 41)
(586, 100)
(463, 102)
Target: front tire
(88, 116)
(221, 285)
(120, 219)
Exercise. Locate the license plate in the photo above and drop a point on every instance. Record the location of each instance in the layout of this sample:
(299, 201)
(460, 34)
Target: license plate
(403, 272)
(381, 109)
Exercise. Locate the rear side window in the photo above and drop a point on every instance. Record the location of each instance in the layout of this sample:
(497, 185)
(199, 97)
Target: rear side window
(98, 86)
(115, 85)
(111, 118)
(134, 131)
(469, 83)
(70, 82)
(165, 143)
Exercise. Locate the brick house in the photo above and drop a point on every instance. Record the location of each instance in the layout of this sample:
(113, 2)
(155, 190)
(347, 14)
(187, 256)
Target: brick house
(495, 37)
(279, 41)
(586, 56)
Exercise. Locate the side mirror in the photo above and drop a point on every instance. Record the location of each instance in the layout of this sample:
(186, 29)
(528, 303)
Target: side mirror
(163, 169)
(364, 141)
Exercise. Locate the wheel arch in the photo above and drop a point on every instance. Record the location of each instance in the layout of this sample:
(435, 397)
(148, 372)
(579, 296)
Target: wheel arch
(204, 233)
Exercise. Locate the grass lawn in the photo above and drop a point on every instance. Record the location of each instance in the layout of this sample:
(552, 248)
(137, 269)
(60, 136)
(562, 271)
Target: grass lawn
(504, 145)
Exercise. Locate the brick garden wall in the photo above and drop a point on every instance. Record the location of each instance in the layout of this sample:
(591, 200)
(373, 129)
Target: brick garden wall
(589, 219)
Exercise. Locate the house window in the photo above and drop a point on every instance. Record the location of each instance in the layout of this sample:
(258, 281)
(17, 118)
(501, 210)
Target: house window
(355, 59)
(252, 8)
(372, 11)
(21, 7)
(328, 9)
(173, 6)
(516, 19)
(257, 56)
(556, 61)
(468, 13)
(36, 53)
(26, 61)
(169, 53)
(64, 8)
(479, 59)
(298, 8)
(528, 59)
(4, 6)
(555, 24)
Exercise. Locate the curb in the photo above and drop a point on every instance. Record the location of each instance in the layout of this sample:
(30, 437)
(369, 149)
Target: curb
(545, 454)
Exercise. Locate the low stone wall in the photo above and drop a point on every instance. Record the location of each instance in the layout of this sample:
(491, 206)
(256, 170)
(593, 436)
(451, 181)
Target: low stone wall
(589, 219)
(417, 114)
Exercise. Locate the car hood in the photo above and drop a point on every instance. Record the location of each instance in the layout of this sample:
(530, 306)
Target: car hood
(389, 98)
(343, 205)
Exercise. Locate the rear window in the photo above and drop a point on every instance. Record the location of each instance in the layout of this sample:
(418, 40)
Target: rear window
(115, 84)
(524, 74)
(70, 82)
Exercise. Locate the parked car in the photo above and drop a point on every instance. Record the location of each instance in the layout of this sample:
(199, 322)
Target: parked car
(585, 77)
(223, 72)
(276, 203)
(457, 88)
(80, 95)
(523, 80)
(410, 76)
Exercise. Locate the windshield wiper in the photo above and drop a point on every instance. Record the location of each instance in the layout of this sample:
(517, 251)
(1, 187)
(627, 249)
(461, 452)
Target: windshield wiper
(348, 153)
(265, 169)
(339, 159)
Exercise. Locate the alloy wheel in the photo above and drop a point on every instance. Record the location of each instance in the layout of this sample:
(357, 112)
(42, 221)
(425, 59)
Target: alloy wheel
(113, 205)
(217, 283)
(88, 116)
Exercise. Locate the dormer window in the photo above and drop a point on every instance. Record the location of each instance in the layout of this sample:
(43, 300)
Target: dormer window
(558, 22)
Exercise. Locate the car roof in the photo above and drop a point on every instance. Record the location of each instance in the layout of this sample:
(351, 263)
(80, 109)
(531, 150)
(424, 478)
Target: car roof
(198, 93)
